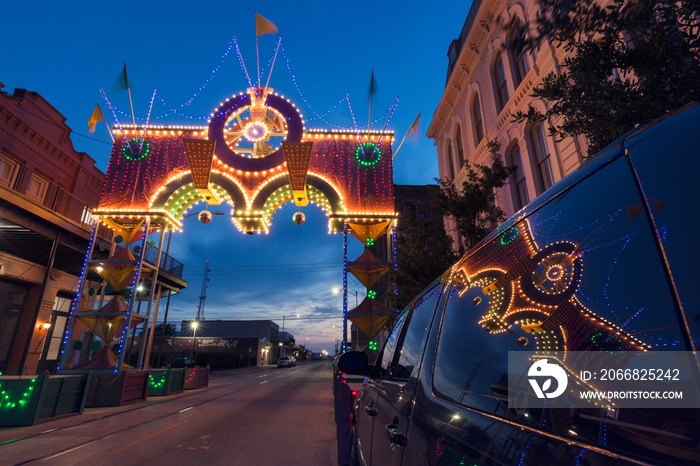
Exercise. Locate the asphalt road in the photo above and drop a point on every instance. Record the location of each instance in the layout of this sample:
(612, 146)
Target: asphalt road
(256, 416)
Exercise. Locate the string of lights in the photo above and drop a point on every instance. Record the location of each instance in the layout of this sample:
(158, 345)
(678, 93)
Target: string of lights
(109, 104)
(320, 116)
(347, 97)
(187, 103)
(241, 62)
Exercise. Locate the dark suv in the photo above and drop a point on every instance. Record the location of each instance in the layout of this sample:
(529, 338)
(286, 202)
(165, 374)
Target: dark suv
(606, 261)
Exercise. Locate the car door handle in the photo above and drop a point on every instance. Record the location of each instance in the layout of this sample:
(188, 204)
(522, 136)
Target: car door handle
(371, 411)
(394, 435)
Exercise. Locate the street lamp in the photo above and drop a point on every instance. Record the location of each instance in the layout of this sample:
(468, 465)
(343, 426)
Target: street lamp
(284, 338)
(194, 334)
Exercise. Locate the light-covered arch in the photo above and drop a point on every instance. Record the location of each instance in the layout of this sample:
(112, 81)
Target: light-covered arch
(179, 194)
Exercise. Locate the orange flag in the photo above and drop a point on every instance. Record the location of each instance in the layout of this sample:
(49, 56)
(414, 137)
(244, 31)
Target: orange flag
(264, 26)
(96, 117)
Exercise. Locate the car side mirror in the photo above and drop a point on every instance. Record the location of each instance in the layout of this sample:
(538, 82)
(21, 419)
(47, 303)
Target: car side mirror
(353, 362)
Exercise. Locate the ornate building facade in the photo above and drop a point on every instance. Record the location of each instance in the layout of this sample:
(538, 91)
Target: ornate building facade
(47, 193)
(486, 84)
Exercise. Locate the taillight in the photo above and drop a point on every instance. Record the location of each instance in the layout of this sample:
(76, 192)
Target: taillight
(355, 393)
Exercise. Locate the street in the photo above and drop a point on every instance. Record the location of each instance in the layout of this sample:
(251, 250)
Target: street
(255, 416)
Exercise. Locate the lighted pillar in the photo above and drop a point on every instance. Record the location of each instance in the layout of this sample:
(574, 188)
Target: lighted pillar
(345, 286)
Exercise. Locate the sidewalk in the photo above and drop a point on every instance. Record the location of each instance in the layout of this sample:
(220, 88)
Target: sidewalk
(216, 379)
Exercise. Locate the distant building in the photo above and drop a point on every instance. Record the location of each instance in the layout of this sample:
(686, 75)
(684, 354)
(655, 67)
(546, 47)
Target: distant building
(485, 85)
(262, 329)
(266, 332)
(47, 193)
(415, 198)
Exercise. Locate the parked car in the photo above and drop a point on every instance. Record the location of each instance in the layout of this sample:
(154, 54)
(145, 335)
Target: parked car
(287, 361)
(605, 261)
(182, 362)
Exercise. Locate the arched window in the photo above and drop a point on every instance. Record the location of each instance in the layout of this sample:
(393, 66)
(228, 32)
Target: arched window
(500, 83)
(544, 161)
(450, 161)
(460, 148)
(517, 54)
(477, 120)
(520, 196)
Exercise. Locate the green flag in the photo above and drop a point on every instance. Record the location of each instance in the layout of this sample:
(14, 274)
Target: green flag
(122, 83)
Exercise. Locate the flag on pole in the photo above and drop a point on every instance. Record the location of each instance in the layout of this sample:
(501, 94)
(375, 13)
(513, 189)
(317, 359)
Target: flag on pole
(122, 83)
(96, 117)
(264, 26)
(372, 86)
(415, 127)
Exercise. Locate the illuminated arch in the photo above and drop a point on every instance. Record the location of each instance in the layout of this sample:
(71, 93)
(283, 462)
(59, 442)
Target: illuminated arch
(276, 192)
(179, 194)
(284, 194)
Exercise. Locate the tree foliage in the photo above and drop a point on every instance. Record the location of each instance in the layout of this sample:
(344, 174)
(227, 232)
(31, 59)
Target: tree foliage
(473, 205)
(170, 330)
(423, 252)
(628, 63)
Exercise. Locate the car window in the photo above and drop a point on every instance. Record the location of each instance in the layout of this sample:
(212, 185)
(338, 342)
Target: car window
(419, 320)
(673, 196)
(581, 273)
(387, 355)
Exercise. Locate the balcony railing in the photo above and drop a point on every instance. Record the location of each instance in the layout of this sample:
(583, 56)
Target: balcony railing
(49, 195)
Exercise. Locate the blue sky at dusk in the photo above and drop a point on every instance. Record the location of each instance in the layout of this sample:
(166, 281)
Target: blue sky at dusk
(67, 51)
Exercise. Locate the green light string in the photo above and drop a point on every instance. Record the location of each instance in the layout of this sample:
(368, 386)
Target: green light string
(7, 403)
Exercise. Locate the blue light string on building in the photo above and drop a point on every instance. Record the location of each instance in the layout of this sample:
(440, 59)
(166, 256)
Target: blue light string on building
(345, 285)
(396, 265)
(132, 299)
(76, 300)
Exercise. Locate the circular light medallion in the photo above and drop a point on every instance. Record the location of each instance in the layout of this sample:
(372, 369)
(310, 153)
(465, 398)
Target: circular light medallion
(132, 153)
(556, 275)
(368, 154)
(225, 129)
(255, 131)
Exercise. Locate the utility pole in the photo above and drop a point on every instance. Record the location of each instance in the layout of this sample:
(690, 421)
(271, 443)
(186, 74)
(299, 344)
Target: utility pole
(203, 294)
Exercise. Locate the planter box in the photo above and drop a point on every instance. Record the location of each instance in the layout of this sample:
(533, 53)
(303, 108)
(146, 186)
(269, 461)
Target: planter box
(25, 401)
(196, 377)
(166, 381)
(116, 389)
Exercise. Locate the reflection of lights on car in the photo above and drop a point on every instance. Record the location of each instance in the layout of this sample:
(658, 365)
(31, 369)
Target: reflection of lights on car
(255, 131)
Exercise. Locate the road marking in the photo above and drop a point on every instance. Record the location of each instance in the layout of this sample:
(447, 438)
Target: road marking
(145, 438)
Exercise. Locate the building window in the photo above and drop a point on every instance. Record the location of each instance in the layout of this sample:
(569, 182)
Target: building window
(544, 161)
(516, 52)
(478, 120)
(520, 196)
(499, 77)
(521, 67)
(36, 188)
(450, 162)
(86, 216)
(460, 147)
(8, 171)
